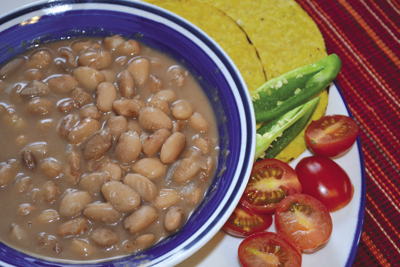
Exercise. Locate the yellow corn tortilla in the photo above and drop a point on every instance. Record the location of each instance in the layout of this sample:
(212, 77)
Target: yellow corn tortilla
(264, 38)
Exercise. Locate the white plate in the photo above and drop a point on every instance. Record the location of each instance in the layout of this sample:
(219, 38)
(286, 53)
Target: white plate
(347, 222)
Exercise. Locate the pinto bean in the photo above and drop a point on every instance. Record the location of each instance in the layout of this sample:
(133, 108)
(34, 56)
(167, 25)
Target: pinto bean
(102, 212)
(80, 46)
(182, 110)
(73, 202)
(140, 219)
(97, 59)
(93, 182)
(98, 145)
(161, 104)
(142, 185)
(90, 111)
(40, 106)
(82, 247)
(45, 125)
(66, 105)
(50, 191)
(127, 107)
(155, 84)
(173, 219)
(111, 42)
(140, 243)
(23, 184)
(106, 95)
(33, 75)
(128, 147)
(48, 242)
(185, 170)
(72, 227)
(167, 95)
(70, 56)
(88, 77)
(29, 160)
(126, 84)
(35, 89)
(109, 75)
(72, 170)
(47, 216)
(8, 171)
(153, 119)
(62, 84)
(83, 130)
(205, 174)
(203, 144)
(51, 168)
(18, 233)
(178, 125)
(172, 148)
(66, 124)
(130, 47)
(25, 209)
(123, 197)
(104, 237)
(198, 122)
(166, 198)
(154, 142)
(112, 168)
(11, 66)
(152, 167)
(117, 125)
(177, 76)
(140, 69)
(13, 120)
(39, 59)
(80, 97)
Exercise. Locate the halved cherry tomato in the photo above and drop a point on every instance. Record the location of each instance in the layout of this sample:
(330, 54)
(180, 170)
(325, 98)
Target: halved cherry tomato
(268, 249)
(331, 136)
(271, 181)
(304, 221)
(241, 223)
(325, 180)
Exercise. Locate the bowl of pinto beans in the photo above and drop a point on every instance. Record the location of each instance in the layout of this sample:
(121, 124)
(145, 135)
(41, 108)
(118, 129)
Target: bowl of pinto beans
(128, 135)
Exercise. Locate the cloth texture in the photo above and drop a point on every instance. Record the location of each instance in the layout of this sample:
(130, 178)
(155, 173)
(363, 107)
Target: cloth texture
(365, 34)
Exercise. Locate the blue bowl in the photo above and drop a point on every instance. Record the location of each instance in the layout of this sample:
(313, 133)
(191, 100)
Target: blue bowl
(216, 73)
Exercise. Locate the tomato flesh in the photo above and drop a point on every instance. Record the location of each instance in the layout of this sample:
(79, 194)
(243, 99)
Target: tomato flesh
(241, 223)
(268, 249)
(325, 180)
(271, 180)
(331, 136)
(304, 221)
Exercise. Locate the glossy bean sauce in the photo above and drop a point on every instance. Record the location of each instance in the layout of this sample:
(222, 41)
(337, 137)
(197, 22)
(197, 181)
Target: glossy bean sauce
(107, 148)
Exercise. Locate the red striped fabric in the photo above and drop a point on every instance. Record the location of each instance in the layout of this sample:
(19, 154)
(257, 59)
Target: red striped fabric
(366, 36)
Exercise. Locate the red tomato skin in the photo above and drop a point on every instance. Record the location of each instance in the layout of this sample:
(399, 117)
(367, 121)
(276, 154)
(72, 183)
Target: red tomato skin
(334, 146)
(309, 241)
(291, 187)
(264, 238)
(325, 180)
(261, 222)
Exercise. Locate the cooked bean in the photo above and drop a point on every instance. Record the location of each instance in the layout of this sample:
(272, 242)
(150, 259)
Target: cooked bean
(51, 168)
(90, 111)
(40, 106)
(161, 104)
(203, 144)
(167, 95)
(72, 227)
(198, 122)
(178, 125)
(34, 89)
(66, 124)
(126, 107)
(172, 148)
(48, 242)
(98, 145)
(140, 243)
(80, 97)
(177, 75)
(117, 125)
(152, 167)
(80, 46)
(62, 84)
(126, 84)
(153, 119)
(11, 66)
(185, 170)
(33, 75)
(173, 219)
(45, 125)
(195, 196)
(66, 105)
(182, 110)
(112, 168)
(102, 212)
(50, 191)
(106, 95)
(140, 219)
(140, 69)
(23, 184)
(130, 47)
(83, 130)
(25, 209)
(8, 171)
(21, 140)
(73, 202)
(72, 170)
(93, 182)
(17, 233)
(39, 59)
(166, 198)
(123, 197)
(104, 237)
(38, 149)
(112, 42)
(155, 84)
(69, 55)
(47, 216)
(82, 247)
(153, 143)
(13, 120)
(142, 185)
(88, 77)
(207, 171)
(109, 75)
(128, 147)
(121, 61)
(97, 59)
(29, 160)
(134, 126)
